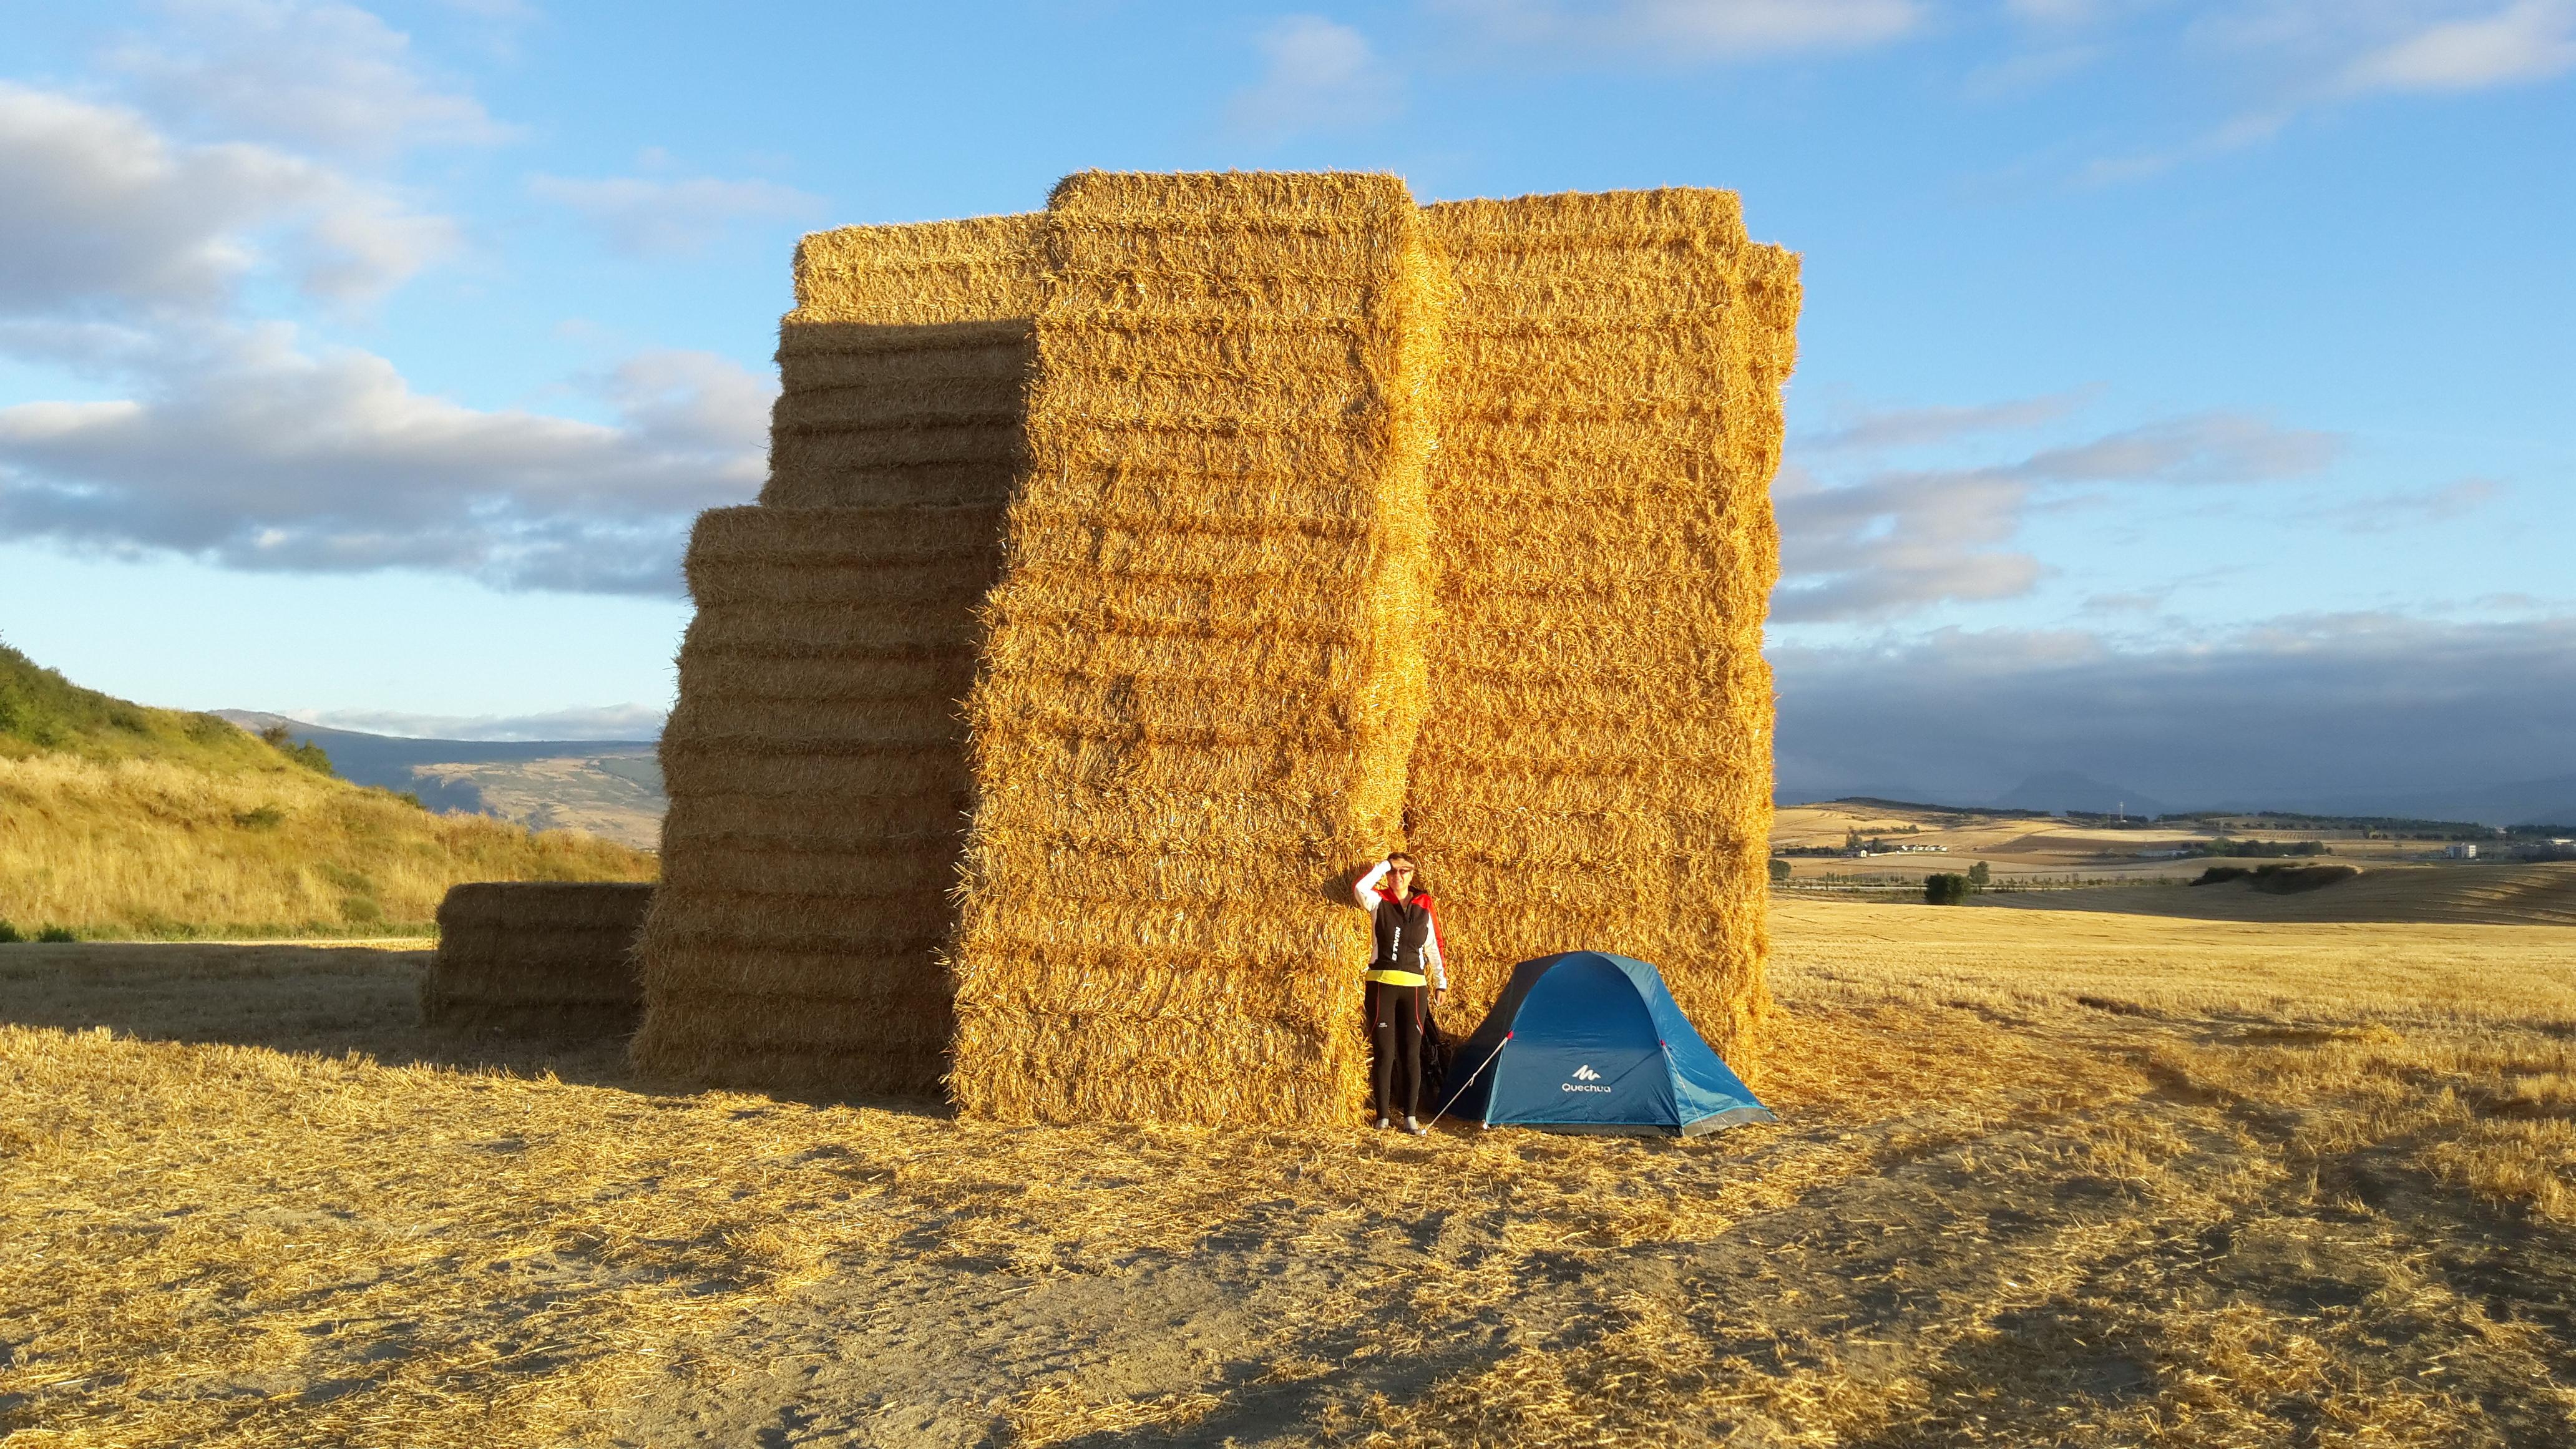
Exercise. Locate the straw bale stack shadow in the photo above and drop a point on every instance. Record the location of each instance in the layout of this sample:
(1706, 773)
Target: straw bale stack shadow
(1130, 572)
(1596, 771)
(815, 764)
(538, 958)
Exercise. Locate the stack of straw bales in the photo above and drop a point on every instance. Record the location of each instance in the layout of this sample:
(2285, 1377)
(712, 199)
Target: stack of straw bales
(815, 764)
(544, 957)
(1596, 770)
(1139, 568)
(901, 368)
(1203, 673)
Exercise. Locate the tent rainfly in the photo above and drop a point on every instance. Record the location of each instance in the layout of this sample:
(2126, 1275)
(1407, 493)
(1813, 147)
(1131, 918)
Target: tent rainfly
(1585, 1041)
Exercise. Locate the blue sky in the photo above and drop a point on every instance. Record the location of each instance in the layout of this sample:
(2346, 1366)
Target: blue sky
(368, 364)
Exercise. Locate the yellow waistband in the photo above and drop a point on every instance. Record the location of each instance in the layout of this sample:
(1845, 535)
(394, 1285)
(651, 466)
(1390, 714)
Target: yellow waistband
(1395, 978)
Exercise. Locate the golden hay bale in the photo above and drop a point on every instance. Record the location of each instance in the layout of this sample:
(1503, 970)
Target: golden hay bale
(1596, 768)
(1203, 672)
(537, 956)
(815, 765)
(816, 771)
(900, 370)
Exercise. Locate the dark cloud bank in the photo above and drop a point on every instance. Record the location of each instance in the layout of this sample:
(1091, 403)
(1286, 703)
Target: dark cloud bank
(2338, 715)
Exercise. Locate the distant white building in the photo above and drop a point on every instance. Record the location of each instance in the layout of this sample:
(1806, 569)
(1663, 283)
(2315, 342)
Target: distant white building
(2460, 850)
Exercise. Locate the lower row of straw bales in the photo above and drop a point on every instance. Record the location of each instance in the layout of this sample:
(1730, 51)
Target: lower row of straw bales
(1131, 572)
(816, 772)
(537, 956)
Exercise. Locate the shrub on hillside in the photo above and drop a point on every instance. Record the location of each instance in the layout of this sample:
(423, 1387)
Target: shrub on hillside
(9, 934)
(2242, 848)
(2280, 880)
(1946, 889)
(40, 712)
(1779, 871)
(2290, 880)
(308, 754)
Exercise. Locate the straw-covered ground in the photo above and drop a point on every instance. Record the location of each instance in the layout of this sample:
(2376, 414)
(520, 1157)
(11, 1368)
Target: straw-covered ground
(2041, 1177)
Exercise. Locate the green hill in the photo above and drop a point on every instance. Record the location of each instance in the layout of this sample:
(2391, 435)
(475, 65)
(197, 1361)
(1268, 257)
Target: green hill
(121, 820)
(42, 712)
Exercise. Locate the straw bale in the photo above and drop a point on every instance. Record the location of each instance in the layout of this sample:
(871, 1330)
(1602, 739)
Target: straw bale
(901, 369)
(816, 770)
(537, 956)
(1203, 670)
(1596, 767)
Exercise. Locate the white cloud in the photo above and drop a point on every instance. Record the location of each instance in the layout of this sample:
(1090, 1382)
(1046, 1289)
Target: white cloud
(241, 442)
(1897, 540)
(2306, 56)
(104, 208)
(324, 77)
(2215, 447)
(1692, 29)
(1316, 75)
(2057, 12)
(250, 451)
(2392, 511)
(1891, 428)
(2531, 40)
(644, 216)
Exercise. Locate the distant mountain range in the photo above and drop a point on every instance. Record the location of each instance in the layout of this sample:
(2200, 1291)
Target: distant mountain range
(611, 788)
(2530, 802)
(2063, 790)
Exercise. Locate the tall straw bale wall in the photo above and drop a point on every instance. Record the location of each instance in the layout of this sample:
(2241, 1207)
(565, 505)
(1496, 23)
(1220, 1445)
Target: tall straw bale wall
(1596, 767)
(1203, 671)
(815, 763)
(537, 956)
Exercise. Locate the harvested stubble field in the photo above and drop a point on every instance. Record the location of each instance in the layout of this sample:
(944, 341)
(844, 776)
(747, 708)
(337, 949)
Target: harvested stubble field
(2042, 1177)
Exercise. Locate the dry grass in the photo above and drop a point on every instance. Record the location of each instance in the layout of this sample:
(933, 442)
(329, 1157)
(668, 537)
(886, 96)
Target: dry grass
(152, 848)
(2012, 960)
(1992, 1213)
(2495, 894)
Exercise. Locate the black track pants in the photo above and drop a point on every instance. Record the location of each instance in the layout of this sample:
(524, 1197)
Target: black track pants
(1395, 1025)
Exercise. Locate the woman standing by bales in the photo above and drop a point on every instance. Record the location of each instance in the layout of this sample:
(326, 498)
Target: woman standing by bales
(1408, 952)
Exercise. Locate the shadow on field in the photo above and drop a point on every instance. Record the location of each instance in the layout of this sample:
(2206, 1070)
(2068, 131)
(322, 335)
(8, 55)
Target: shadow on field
(319, 1000)
(323, 1000)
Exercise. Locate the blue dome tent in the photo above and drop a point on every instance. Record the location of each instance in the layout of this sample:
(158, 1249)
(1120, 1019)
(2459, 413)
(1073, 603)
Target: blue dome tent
(1585, 1041)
